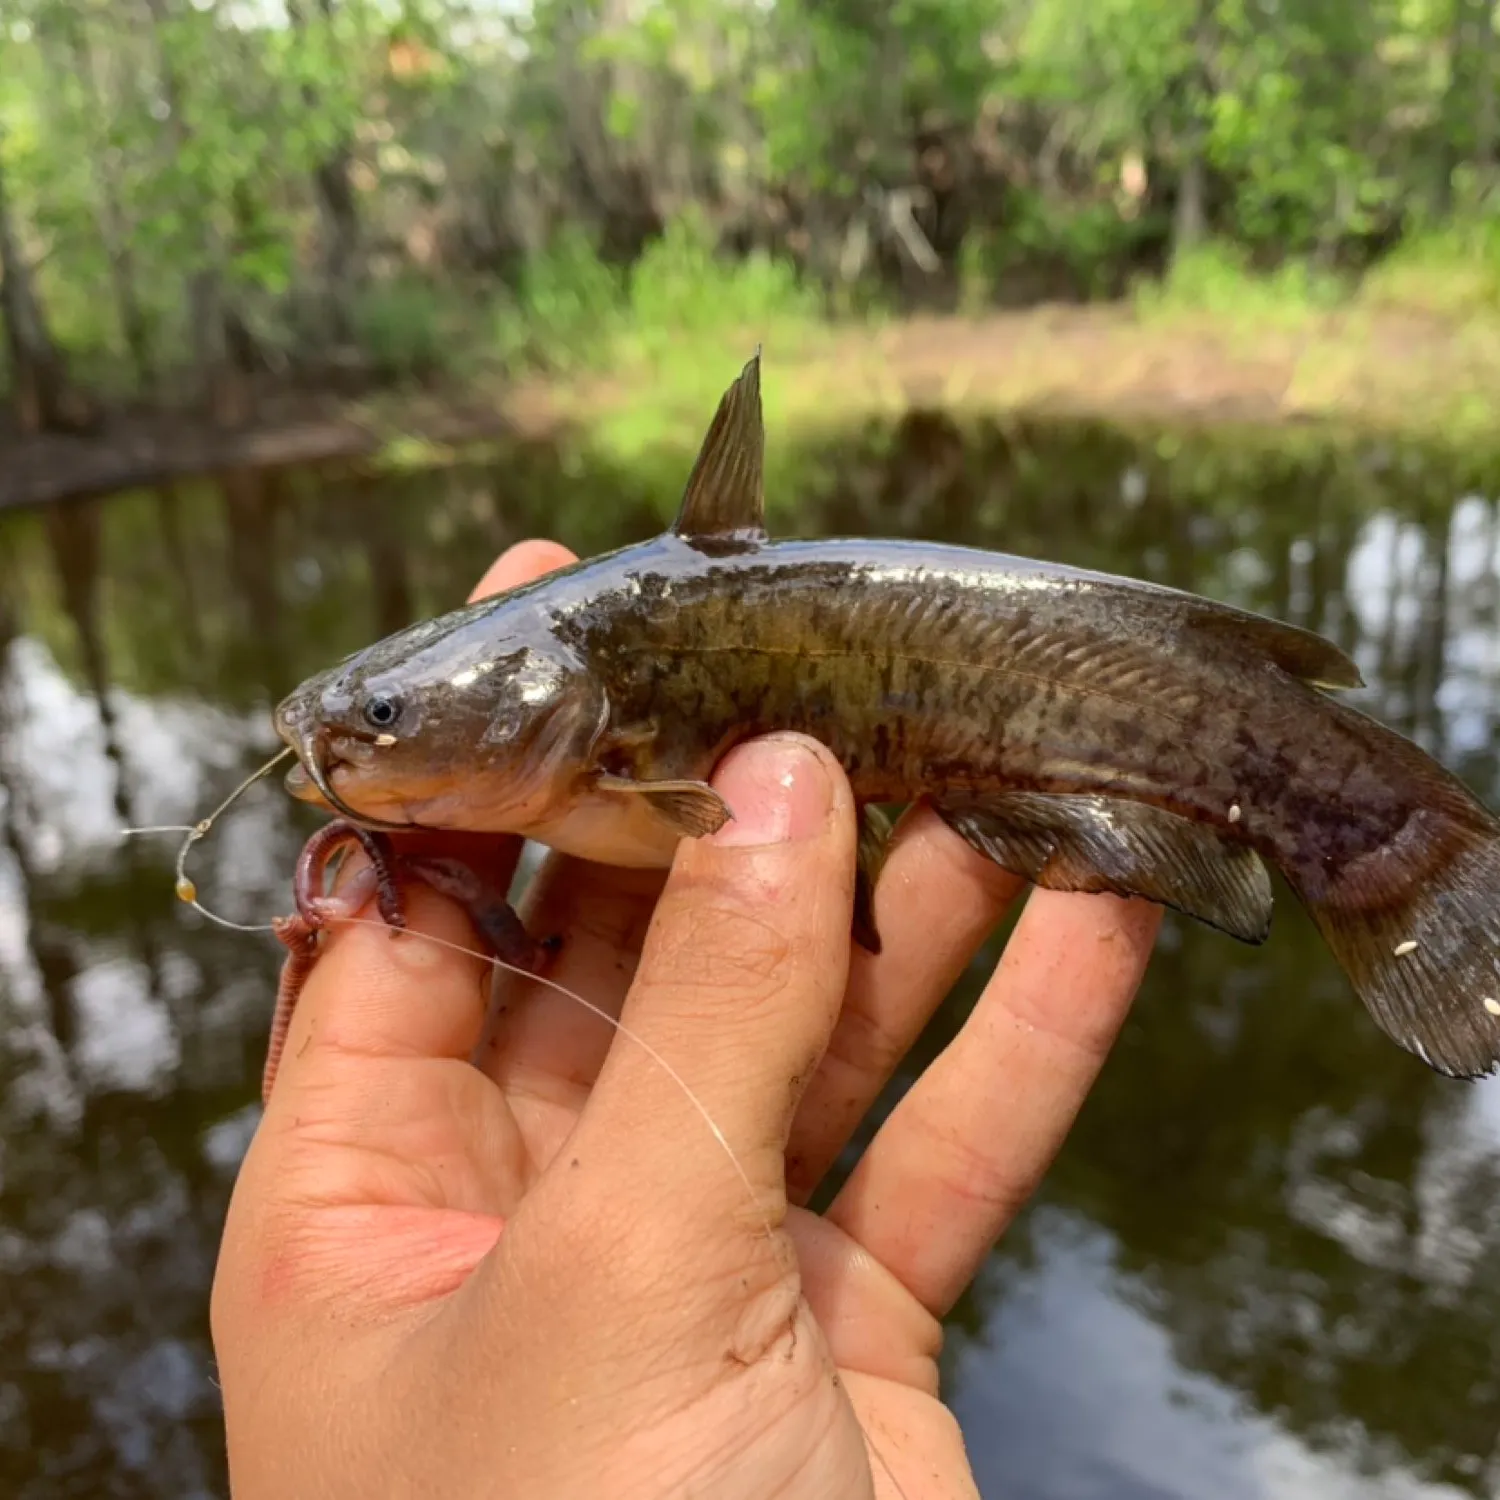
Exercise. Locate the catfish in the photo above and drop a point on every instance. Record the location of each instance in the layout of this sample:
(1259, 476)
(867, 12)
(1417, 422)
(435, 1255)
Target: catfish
(1090, 733)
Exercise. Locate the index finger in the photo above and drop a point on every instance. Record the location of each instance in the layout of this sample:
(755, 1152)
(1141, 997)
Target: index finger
(520, 564)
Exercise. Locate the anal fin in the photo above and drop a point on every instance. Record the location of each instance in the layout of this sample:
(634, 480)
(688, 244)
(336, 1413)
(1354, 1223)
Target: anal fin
(875, 829)
(1081, 842)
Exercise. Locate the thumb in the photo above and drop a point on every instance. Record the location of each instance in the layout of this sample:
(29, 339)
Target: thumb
(740, 980)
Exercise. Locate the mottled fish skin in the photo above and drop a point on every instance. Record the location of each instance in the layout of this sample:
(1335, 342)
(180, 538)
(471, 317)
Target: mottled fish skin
(1088, 731)
(933, 670)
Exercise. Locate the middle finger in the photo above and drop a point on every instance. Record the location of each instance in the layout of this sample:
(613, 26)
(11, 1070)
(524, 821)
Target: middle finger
(542, 1045)
(936, 902)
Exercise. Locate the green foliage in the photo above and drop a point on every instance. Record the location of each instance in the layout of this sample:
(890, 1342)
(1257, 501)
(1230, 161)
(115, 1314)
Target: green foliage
(331, 172)
(575, 314)
(568, 310)
(680, 287)
(410, 329)
(1084, 243)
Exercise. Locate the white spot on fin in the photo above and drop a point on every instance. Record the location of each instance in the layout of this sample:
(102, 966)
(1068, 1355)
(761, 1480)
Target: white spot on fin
(1402, 949)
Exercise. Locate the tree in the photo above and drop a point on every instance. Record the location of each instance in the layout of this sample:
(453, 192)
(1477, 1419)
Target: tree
(45, 397)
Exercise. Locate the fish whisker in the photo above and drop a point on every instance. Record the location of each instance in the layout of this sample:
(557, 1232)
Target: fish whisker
(317, 773)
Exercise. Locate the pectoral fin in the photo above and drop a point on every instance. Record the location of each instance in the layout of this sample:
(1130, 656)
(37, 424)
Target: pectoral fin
(874, 841)
(1088, 843)
(691, 808)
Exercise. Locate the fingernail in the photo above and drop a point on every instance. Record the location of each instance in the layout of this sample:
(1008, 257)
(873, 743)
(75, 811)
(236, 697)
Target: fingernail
(779, 790)
(353, 863)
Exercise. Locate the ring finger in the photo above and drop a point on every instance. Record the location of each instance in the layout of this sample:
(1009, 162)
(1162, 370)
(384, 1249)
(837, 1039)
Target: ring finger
(968, 1144)
(936, 903)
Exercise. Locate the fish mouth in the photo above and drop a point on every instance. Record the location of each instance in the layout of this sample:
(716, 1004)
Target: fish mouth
(319, 756)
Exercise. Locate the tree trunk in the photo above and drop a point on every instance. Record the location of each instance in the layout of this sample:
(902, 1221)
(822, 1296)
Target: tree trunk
(338, 214)
(226, 392)
(1189, 217)
(1484, 93)
(1447, 152)
(1190, 214)
(114, 227)
(45, 398)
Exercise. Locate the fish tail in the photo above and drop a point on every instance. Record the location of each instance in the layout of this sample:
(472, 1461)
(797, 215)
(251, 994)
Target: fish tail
(1415, 923)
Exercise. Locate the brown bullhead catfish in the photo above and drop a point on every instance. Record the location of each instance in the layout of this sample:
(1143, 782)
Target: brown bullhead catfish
(1087, 732)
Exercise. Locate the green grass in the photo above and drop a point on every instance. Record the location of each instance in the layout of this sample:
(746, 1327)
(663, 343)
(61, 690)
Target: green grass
(412, 330)
(1452, 273)
(1216, 281)
(670, 335)
(575, 315)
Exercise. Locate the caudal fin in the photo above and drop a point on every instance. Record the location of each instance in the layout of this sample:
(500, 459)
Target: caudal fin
(1422, 949)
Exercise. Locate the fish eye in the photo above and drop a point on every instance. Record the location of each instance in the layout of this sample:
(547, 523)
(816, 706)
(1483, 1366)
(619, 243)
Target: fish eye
(381, 712)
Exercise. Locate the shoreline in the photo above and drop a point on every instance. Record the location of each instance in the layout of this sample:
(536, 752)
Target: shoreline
(148, 451)
(1392, 375)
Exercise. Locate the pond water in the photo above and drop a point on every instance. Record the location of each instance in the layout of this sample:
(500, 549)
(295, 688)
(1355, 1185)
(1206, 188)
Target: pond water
(1268, 1261)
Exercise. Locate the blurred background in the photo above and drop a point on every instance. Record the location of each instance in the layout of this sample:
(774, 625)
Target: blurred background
(310, 307)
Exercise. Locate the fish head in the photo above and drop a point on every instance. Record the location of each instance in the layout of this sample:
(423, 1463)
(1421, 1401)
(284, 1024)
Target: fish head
(458, 723)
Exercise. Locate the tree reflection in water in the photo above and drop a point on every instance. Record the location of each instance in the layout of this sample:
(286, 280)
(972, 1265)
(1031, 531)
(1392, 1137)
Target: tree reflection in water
(1267, 1261)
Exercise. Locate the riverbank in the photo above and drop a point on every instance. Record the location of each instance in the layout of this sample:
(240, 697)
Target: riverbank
(1402, 374)
(1396, 373)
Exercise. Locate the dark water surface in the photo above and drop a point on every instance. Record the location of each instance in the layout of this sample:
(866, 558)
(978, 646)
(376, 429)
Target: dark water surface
(1268, 1263)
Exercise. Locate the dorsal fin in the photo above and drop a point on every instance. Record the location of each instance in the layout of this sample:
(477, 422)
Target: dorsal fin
(723, 506)
(1297, 652)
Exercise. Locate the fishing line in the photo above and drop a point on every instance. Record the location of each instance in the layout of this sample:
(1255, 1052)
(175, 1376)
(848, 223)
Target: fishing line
(604, 1015)
(186, 890)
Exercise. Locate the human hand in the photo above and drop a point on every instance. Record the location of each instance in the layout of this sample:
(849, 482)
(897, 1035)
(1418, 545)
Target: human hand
(543, 1276)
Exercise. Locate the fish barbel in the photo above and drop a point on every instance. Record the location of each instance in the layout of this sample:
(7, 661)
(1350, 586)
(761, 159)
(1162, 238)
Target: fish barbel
(1088, 732)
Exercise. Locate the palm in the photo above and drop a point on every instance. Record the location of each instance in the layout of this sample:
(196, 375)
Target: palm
(457, 1157)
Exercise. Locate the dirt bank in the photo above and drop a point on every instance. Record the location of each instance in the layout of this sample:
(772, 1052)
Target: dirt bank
(1396, 371)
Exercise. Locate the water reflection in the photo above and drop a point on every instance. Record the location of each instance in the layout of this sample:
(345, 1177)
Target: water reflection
(1267, 1263)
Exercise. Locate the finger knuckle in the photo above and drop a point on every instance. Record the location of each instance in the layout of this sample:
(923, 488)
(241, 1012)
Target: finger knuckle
(984, 1180)
(866, 1043)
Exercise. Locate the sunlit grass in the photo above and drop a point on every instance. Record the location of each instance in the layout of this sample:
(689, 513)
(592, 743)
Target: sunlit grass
(637, 360)
(1216, 281)
(1452, 273)
(643, 357)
